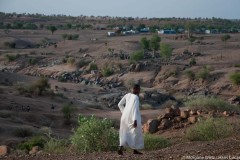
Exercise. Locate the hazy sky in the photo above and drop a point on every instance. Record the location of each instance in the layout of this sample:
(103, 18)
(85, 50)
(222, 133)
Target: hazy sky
(130, 8)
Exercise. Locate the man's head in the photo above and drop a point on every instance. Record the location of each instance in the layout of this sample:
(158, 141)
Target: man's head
(136, 89)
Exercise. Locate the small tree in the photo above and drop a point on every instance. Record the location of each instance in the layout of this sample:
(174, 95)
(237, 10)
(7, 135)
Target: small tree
(93, 66)
(165, 51)
(225, 38)
(52, 28)
(67, 111)
(191, 40)
(145, 43)
(137, 56)
(235, 78)
(154, 43)
(189, 27)
(192, 62)
(64, 36)
(71, 60)
(41, 85)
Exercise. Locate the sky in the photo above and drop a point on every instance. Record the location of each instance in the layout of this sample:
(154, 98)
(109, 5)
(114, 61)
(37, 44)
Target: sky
(127, 8)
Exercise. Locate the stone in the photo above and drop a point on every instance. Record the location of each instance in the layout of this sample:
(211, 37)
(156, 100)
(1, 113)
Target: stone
(165, 123)
(167, 116)
(4, 150)
(193, 112)
(176, 111)
(168, 110)
(192, 119)
(226, 113)
(34, 150)
(184, 114)
(145, 128)
(177, 119)
(235, 100)
(138, 68)
(199, 112)
(132, 67)
(152, 125)
(212, 113)
(143, 95)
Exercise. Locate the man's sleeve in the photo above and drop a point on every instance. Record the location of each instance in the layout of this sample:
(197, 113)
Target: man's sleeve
(135, 109)
(122, 103)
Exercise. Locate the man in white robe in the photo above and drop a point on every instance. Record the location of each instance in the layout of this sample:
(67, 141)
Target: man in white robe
(130, 133)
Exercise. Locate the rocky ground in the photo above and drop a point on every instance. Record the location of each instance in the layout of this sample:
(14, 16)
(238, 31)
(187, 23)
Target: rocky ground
(221, 149)
(164, 84)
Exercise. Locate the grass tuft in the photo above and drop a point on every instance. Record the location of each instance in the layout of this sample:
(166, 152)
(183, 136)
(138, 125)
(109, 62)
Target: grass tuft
(154, 142)
(210, 129)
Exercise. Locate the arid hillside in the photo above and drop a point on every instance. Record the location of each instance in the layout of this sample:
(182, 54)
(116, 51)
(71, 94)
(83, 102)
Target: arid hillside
(42, 73)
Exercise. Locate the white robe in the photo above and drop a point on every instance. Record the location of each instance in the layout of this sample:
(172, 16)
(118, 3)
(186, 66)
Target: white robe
(130, 136)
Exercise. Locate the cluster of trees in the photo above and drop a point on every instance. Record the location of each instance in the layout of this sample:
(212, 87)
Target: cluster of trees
(70, 36)
(18, 25)
(153, 44)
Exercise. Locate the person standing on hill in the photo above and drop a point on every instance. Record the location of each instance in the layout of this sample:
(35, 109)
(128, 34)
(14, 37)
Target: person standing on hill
(130, 133)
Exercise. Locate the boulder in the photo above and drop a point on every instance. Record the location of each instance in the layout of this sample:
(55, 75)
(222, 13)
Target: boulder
(177, 119)
(34, 150)
(199, 112)
(4, 150)
(193, 112)
(165, 116)
(168, 110)
(212, 113)
(184, 114)
(165, 123)
(137, 68)
(152, 125)
(145, 128)
(176, 111)
(235, 100)
(192, 119)
(132, 67)
(143, 95)
(227, 113)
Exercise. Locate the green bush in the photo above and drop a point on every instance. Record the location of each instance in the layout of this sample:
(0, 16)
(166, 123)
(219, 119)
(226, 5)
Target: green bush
(93, 66)
(95, 135)
(190, 75)
(192, 62)
(107, 71)
(67, 111)
(137, 56)
(82, 63)
(203, 74)
(10, 44)
(12, 57)
(72, 36)
(33, 141)
(237, 65)
(38, 87)
(165, 51)
(154, 142)
(210, 103)
(235, 78)
(71, 60)
(55, 146)
(210, 129)
(23, 132)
